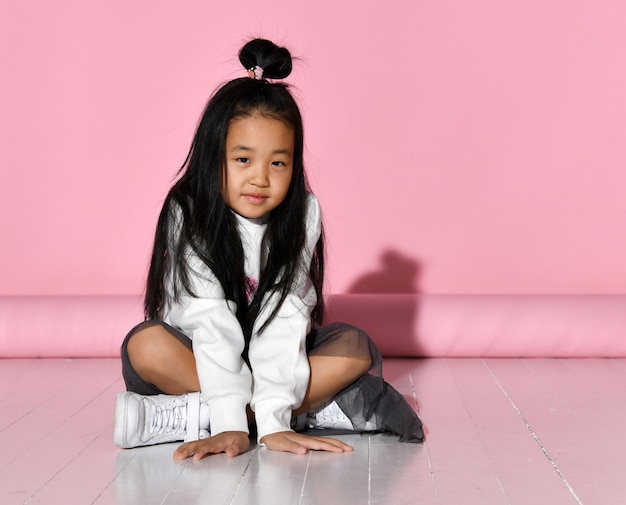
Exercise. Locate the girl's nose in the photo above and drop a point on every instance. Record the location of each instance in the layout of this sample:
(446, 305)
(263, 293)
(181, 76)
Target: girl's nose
(259, 176)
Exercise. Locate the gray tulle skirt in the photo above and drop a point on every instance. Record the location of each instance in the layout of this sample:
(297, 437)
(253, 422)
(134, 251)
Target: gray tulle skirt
(368, 401)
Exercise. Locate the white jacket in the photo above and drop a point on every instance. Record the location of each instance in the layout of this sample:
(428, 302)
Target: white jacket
(280, 368)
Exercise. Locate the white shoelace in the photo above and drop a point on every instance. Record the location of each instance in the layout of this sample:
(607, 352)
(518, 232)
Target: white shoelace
(168, 418)
(332, 416)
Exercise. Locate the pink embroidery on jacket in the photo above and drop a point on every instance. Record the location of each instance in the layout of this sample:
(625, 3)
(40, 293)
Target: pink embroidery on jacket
(251, 287)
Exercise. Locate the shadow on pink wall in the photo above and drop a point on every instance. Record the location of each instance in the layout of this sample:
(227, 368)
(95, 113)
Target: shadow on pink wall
(397, 274)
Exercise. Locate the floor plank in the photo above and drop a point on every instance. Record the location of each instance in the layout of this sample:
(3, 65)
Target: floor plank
(273, 477)
(462, 469)
(408, 464)
(526, 475)
(338, 478)
(499, 431)
(577, 409)
(26, 384)
(42, 443)
(215, 479)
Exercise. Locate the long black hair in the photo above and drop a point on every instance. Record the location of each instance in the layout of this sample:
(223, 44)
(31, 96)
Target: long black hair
(195, 218)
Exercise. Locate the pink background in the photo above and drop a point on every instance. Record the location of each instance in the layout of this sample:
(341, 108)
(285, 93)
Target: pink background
(456, 147)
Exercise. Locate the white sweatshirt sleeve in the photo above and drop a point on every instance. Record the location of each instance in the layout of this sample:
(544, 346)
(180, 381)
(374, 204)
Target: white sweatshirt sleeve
(217, 339)
(278, 356)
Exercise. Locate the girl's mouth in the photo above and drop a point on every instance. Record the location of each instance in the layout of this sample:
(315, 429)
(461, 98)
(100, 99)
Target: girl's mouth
(255, 199)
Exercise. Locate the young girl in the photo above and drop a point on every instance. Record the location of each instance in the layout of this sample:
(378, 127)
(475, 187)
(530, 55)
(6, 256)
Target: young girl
(234, 305)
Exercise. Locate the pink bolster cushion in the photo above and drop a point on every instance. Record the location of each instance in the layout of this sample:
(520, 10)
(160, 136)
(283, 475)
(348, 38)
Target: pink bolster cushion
(403, 325)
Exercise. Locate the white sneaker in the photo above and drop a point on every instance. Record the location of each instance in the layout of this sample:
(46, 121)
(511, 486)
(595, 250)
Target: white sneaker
(157, 419)
(330, 417)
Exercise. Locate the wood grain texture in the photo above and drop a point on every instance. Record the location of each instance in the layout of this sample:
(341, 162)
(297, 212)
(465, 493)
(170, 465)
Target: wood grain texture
(499, 431)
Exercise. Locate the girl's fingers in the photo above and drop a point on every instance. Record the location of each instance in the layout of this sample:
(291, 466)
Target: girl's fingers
(294, 447)
(184, 451)
(207, 449)
(295, 443)
(283, 443)
(231, 443)
(326, 444)
(200, 450)
(301, 444)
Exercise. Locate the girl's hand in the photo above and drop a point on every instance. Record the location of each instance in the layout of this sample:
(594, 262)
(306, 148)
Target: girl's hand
(232, 443)
(298, 443)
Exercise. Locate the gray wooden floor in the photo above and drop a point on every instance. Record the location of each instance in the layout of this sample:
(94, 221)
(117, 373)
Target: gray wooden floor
(539, 431)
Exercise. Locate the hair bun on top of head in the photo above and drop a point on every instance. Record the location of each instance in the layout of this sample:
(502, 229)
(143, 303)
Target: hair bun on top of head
(265, 60)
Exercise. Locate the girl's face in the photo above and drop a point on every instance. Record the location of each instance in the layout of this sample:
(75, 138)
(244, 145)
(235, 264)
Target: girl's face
(259, 165)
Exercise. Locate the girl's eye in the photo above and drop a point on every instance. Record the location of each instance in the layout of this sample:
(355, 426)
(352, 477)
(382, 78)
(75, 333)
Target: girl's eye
(278, 163)
(243, 160)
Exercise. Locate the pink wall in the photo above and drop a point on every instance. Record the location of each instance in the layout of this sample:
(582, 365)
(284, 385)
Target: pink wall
(457, 147)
